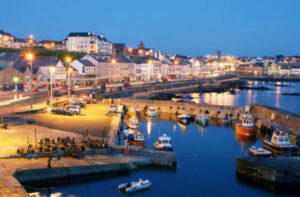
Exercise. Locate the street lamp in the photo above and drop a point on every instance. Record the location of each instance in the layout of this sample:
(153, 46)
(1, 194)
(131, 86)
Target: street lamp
(52, 70)
(30, 57)
(68, 60)
(16, 80)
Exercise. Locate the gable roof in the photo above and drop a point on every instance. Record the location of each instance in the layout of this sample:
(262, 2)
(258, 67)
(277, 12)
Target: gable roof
(86, 62)
(9, 56)
(39, 61)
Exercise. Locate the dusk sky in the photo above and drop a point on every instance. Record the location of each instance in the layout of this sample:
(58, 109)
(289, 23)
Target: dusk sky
(189, 27)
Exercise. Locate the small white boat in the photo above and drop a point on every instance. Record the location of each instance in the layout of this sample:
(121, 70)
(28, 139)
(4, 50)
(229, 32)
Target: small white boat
(259, 152)
(151, 112)
(184, 118)
(135, 186)
(202, 120)
(163, 143)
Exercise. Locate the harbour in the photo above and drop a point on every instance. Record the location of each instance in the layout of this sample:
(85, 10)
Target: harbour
(198, 151)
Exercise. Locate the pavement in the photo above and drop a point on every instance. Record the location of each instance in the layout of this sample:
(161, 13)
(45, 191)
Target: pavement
(16, 136)
(10, 187)
(93, 118)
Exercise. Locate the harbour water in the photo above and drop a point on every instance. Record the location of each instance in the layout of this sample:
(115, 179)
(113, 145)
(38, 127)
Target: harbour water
(270, 97)
(206, 156)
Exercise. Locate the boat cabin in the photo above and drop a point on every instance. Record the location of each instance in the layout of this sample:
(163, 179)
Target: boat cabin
(280, 139)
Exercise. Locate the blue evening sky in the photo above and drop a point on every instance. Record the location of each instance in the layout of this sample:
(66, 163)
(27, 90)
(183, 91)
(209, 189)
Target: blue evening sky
(189, 27)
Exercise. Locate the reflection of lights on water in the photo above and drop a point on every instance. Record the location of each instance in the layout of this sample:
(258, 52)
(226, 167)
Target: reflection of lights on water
(174, 128)
(149, 127)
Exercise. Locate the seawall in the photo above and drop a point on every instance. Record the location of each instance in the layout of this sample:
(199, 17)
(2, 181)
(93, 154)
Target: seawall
(213, 111)
(273, 170)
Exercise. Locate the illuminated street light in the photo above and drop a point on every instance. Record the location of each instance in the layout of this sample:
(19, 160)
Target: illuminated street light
(113, 61)
(52, 70)
(68, 59)
(150, 61)
(176, 62)
(30, 57)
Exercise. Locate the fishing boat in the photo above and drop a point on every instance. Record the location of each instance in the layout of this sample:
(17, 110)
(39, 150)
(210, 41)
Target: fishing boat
(136, 139)
(135, 186)
(202, 120)
(280, 144)
(163, 143)
(246, 126)
(184, 118)
(133, 122)
(259, 152)
(151, 112)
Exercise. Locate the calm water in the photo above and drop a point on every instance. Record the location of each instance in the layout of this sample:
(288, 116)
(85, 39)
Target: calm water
(271, 97)
(206, 156)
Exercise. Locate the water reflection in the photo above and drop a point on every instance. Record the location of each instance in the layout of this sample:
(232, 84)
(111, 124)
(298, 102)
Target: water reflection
(270, 97)
(245, 141)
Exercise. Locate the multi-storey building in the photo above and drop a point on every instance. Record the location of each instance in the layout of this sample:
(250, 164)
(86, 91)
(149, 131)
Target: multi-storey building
(88, 42)
(6, 39)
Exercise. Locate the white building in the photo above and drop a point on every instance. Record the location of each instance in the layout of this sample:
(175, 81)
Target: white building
(88, 42)
(84, 67)
(6, 39)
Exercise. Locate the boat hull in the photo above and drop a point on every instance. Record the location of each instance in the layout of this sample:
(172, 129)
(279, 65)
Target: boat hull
(133, 126)
(164, 148)
(281, 150)
(248, 131)
(259, 154)
(137, 143)
(152, 114)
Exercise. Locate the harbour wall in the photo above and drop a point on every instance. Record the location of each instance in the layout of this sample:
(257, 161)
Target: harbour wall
(52, 174)
(144, 158)
(277, 117)
(272, 117)
(213, 111)
(273, 170)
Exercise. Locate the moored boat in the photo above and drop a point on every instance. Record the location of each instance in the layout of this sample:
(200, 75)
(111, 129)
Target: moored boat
(280, 144)
(259, 152)
(163, 143)
(246, 126)
(136, 139)
(151, 112)
(133, 122)
(202, 120)
(135, 186)
(184, 118)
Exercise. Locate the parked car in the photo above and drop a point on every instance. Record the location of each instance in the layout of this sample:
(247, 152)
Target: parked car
(75, 109)
(61, 111)
(79, 102)
(57, 93)
(87, 99)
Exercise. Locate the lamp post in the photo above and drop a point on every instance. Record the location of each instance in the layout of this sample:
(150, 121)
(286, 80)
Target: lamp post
(16, 80)
(68, 60)
(29, 57)
(52, 70)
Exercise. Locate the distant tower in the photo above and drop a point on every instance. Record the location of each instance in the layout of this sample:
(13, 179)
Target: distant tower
(141, 45)
(219, 54)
